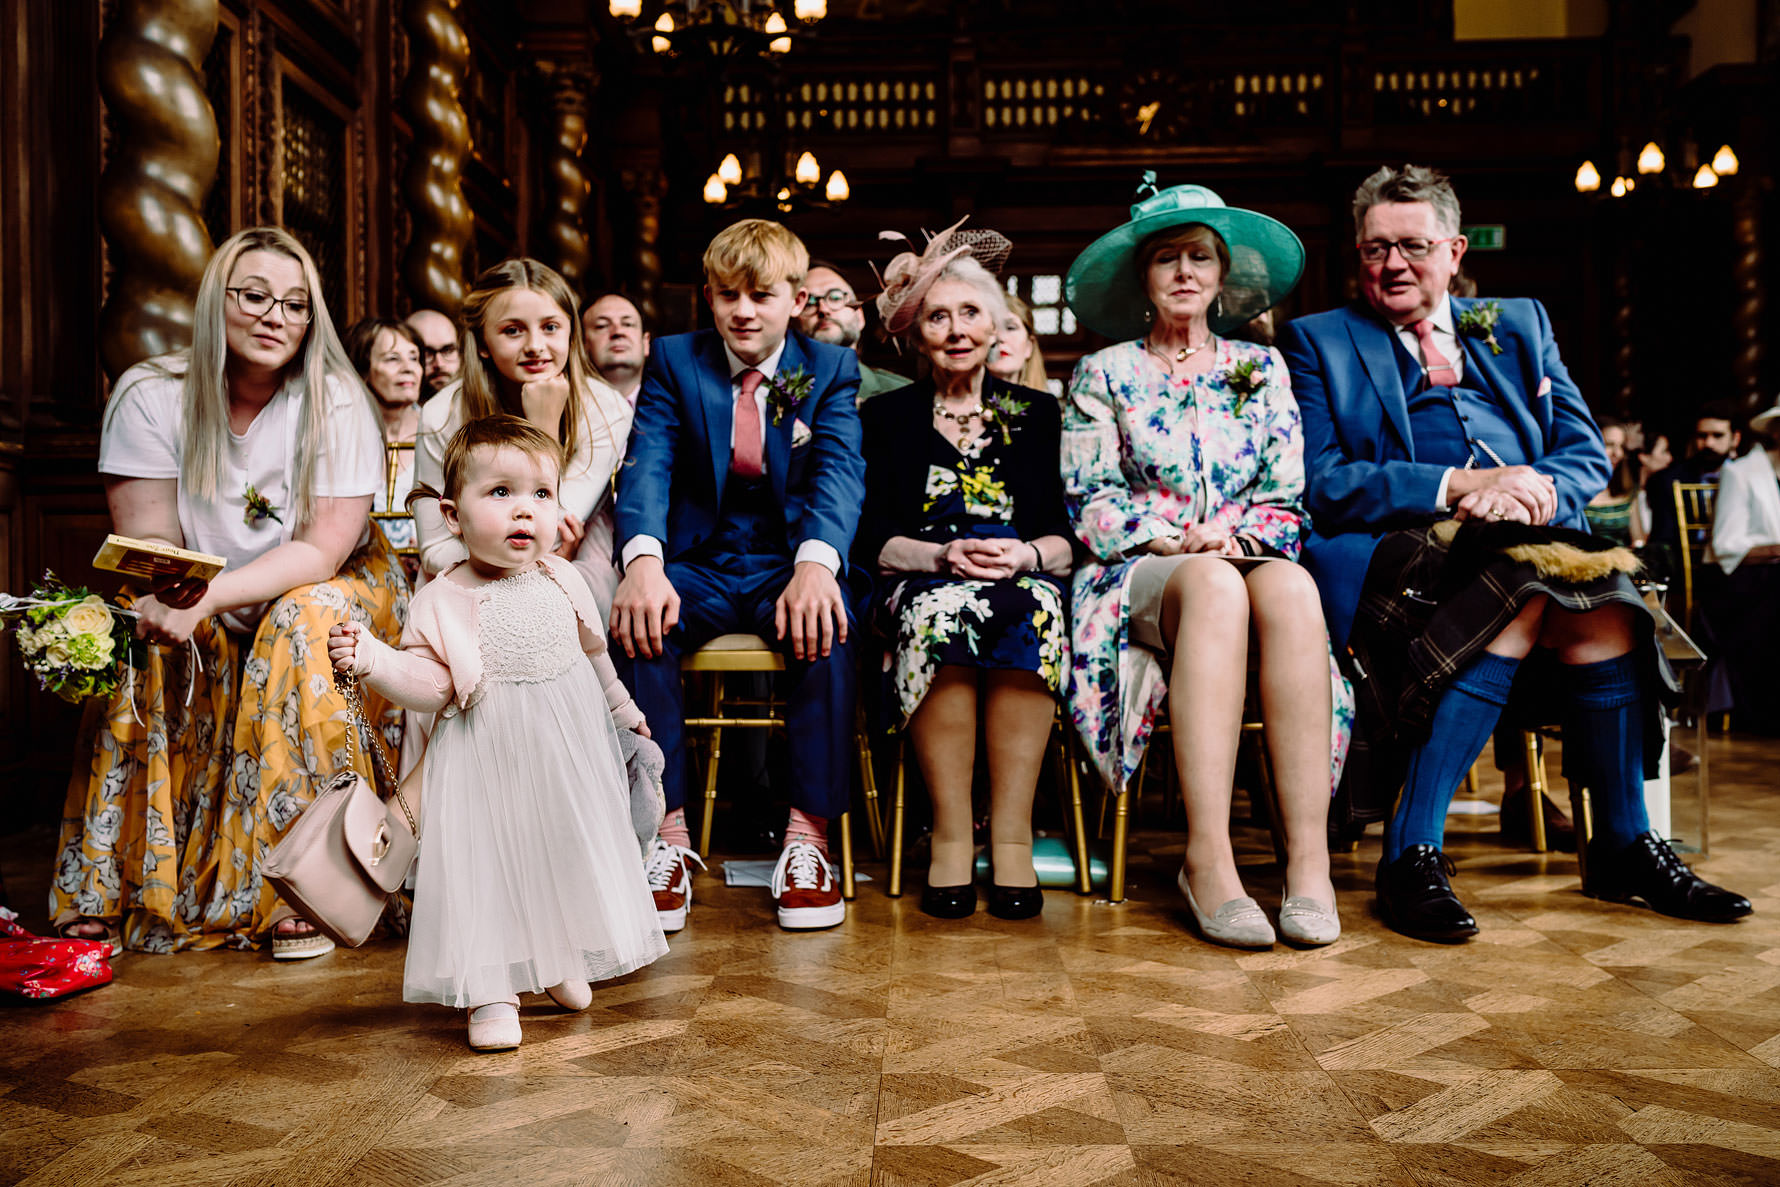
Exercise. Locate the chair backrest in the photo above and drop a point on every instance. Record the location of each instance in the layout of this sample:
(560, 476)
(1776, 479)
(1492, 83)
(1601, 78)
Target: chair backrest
(392, 476)
(1695, 504)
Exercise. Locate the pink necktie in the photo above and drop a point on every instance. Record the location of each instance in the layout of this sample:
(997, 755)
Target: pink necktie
(745, 460)
(1440, 372)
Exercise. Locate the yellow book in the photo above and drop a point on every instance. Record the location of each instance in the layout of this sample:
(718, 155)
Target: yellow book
(154, 561)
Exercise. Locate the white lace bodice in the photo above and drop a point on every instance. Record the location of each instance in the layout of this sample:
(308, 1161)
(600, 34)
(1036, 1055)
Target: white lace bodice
(527, 630)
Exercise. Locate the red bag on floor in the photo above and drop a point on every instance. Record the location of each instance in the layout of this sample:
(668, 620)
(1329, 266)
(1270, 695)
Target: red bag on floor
(38, 969)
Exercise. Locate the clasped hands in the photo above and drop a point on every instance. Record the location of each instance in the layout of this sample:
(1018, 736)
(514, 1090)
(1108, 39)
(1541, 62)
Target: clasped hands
(986, 559)
(171, 611)
(1518, 494)
(810, 612)
(1195, 538)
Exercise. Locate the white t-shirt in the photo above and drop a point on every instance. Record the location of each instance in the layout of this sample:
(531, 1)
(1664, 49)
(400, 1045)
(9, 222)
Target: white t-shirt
(143, 437)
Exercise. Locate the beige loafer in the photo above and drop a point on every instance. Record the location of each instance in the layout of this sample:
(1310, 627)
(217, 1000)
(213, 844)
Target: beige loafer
(1305, 921)
(1239, 923)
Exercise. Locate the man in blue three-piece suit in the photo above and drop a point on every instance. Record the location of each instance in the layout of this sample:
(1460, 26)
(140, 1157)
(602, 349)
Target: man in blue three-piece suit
(1419, 408)
(736, 509)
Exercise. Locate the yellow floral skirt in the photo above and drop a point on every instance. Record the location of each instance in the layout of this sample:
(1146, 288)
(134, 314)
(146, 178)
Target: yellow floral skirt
(194, 777)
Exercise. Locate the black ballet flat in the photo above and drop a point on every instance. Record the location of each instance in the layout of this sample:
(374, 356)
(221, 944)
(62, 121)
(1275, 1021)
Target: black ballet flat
(1015, 902)
(950, 902)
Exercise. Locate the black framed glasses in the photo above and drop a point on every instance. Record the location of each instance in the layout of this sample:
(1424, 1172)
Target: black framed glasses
(258, 302)
(835, 298)
(1376, 251)
(445, 354)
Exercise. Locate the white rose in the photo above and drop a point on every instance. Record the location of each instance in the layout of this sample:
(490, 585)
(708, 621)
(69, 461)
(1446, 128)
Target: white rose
(89, 617)
(56, 654)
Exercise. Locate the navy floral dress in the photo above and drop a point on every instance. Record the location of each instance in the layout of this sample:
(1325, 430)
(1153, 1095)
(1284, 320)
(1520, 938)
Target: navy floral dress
(918, 484)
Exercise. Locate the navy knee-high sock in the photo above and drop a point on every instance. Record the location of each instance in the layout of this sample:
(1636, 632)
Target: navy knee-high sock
(1463, 721)
(1604, 746)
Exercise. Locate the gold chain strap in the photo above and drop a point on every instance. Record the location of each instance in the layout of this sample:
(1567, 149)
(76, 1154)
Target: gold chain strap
(348, 686)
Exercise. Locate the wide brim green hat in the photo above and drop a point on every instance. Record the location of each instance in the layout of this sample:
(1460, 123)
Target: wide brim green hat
(1266, 263)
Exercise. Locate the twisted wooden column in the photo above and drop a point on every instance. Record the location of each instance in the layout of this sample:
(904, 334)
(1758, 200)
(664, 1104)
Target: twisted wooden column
(1747, 298)
(152, 191)
(647, 192)
(568, 184)
(439, 57)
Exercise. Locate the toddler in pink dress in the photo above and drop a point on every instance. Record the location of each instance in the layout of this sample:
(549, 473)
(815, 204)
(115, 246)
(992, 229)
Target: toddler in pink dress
(530, 878)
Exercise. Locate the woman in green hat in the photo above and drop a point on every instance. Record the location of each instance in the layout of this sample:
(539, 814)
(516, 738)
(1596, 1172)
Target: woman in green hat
(1183, 467)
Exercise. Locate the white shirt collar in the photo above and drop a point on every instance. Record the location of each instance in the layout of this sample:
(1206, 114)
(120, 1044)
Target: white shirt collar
(1441, 319)
(767, 368)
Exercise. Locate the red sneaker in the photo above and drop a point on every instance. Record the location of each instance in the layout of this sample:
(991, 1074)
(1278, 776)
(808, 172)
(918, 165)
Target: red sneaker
(805, 889)
(669, 871)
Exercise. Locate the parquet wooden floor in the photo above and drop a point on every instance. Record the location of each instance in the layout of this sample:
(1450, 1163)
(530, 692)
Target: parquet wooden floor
(1574, 1042)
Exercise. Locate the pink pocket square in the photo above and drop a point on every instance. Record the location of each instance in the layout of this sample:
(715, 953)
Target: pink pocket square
(1544, 389)
(800, 433)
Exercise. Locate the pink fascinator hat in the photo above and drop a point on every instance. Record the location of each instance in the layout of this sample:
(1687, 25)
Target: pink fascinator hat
(908, 276)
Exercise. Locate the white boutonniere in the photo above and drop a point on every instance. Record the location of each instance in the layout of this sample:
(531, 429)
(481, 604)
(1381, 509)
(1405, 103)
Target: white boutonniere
(800, 434)
(1479, 321)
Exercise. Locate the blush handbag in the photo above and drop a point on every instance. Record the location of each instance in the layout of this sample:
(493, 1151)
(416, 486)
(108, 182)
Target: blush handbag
(348, 852)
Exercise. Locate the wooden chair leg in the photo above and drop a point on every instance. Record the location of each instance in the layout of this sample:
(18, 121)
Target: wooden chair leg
(1583, 814)
(868, 783)
(1535, 787)
(1115, 889)
(894, 890)
(1084, 870)
(1702, 787)
(848, 889)
(704, 828)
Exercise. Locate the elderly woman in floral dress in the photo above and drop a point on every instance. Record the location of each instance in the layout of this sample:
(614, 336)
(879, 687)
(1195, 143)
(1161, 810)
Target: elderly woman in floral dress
(964, 518)
(1184, 470)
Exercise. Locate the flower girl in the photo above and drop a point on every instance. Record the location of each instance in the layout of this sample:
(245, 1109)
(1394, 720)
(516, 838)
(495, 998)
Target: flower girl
(529, 876)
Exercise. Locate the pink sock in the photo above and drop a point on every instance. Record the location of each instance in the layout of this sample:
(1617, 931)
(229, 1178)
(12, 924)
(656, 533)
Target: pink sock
(674, 830)
(804, 827)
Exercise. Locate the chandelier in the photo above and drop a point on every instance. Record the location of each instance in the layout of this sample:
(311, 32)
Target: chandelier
(731, 186)
(1652, 168)
(719, 28)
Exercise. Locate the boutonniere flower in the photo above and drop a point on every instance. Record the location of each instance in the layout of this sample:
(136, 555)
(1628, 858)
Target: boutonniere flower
(1000, 408)
(1479, 321)
(786, 390)
(1244, 379)
(259, 508)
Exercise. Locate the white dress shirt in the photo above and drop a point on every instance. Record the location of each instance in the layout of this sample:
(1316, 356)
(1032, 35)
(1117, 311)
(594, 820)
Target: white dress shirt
(819, 551)
(1446, 341)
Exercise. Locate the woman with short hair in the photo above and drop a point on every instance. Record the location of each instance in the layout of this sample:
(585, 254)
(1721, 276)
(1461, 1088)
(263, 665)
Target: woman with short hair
(964, 519)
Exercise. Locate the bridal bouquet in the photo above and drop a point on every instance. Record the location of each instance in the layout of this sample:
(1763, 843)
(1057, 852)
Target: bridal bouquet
(75, 642)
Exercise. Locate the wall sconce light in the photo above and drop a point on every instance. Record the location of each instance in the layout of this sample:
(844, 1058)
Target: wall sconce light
(809, 10)
(837, 190)
(1650, 158)
(716, 193)
(1705, 179)
(808, 172)
(729, 171)
(1724, 161)
(1622, 186)
(660, 44)
(1588, 178)
(626, 10)
(776, 29)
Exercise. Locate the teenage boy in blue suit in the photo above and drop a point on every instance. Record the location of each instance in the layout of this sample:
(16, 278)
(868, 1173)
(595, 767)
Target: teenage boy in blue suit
(736, 509)
(1417, 407)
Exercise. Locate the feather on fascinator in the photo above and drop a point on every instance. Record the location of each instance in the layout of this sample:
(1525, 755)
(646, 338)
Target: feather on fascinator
(907, 277)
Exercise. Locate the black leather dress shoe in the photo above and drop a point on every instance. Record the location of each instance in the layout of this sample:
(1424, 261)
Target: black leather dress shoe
(1015, 902)
(1417, 900)
(1649, 871)
(950, 902)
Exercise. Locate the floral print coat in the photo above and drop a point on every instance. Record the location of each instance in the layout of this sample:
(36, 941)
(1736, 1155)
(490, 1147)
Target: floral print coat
(1145, 455)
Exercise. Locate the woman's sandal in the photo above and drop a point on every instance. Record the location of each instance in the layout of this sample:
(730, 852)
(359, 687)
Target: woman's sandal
(303, 945)
(106, 934)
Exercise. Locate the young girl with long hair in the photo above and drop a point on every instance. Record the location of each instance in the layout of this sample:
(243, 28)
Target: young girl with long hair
(530, 877)
(523, 355)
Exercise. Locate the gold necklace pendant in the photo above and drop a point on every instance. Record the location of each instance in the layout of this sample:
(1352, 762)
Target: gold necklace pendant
(1187, 352)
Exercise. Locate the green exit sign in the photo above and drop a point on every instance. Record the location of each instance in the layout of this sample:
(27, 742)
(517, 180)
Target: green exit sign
(1487, 237)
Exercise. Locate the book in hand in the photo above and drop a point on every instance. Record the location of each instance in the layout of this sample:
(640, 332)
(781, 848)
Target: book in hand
(155, 561)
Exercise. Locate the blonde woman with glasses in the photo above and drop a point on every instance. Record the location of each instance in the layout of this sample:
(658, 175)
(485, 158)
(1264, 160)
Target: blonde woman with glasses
(258, 444)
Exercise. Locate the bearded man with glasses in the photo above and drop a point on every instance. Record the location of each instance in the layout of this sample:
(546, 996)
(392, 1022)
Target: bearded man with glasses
(834, 313)
(1448, 456)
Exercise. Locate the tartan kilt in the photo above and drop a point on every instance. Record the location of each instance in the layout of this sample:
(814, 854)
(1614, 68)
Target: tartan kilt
(1432, 600)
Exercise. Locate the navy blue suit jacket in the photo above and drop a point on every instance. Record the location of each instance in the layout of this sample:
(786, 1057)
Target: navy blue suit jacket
(671, 484)
(1361, 475)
